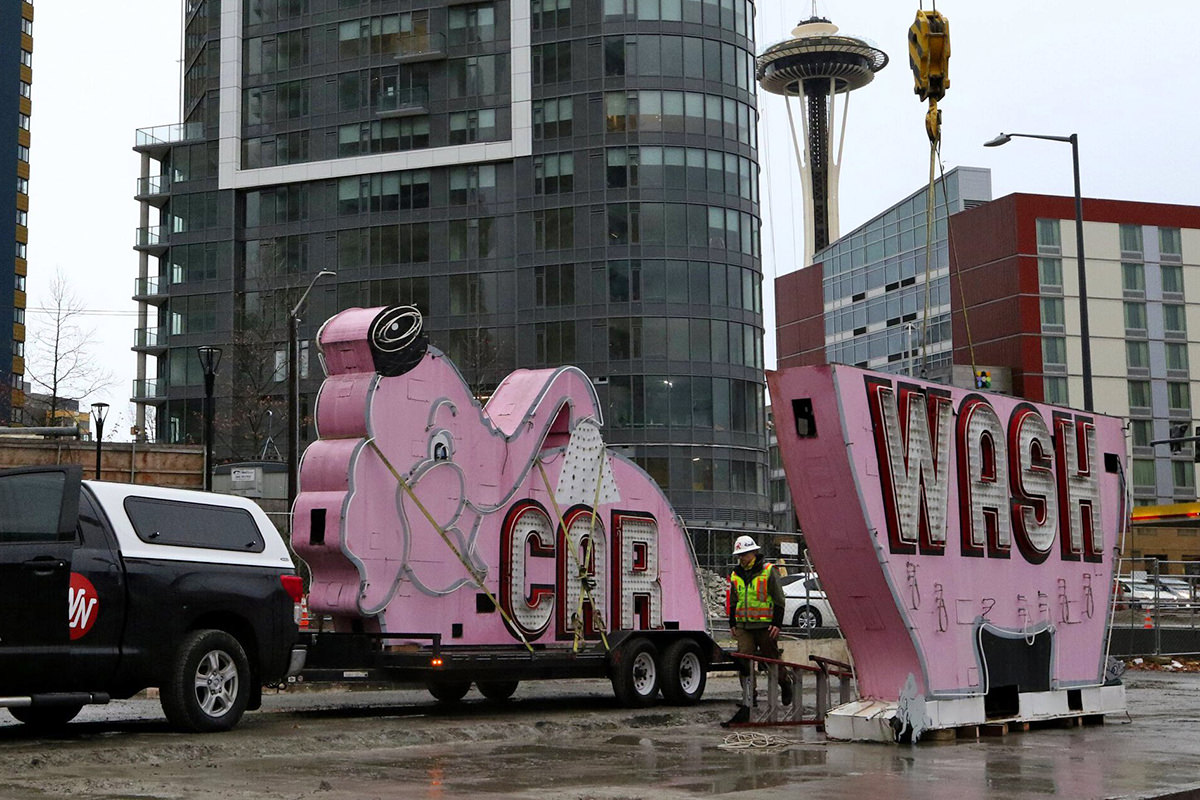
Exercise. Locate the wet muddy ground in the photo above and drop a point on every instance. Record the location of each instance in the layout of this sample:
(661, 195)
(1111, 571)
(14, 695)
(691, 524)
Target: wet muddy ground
(569, 741)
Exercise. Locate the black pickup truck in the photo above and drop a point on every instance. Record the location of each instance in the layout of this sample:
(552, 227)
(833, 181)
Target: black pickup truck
(107, 589)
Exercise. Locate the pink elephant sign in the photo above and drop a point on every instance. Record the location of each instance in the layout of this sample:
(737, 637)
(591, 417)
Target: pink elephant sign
(966, 541)
(422, 511)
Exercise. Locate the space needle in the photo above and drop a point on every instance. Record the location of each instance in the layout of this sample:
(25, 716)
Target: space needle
(817, 64)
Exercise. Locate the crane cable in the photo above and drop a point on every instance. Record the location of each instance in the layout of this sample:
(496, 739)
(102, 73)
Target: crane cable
(929, 59)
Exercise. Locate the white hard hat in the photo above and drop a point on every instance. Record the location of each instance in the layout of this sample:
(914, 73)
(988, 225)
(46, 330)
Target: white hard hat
(744, 544)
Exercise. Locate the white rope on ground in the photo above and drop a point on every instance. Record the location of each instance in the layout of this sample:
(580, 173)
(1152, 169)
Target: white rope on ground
(755, 741)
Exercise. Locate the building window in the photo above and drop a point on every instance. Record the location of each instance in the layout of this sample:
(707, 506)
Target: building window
(1179, 397)
(1131, 239)
(22, 248)
(1137, 355)
(280, 51)
(27, 58)
(552, 118)
(472, 24)
(1050, 271)
(27, 27)
(1133, 277)
(555, 342)
(472, 238)
(1052, 311)
(550, 14)
(1135, 316)
(554, 229)
(1143, 473)
(22, 152)
(1142, 431)
(476, 293)
(1054, 388)
(1139, 394)
(1183, 474)
(22, 217)
(551, 63)
(473, 126)
(554, 285)
(23, 121)
(18, 348)
(1170, 242)
(1049, 236)
(476, 76)
(1172, 279)
(1174, 318)
(1054, 350)
(1177, 356)
(474, 183)
(554, 173)
(26, 89)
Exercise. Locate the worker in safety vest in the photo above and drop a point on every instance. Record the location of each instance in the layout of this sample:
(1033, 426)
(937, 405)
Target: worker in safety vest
(754, 604)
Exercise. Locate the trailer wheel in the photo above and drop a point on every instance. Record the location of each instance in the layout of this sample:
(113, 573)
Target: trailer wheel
(45, 719)
(635, 674)
(684, 673)
(496, 690)
(209, 683)
(448, 691)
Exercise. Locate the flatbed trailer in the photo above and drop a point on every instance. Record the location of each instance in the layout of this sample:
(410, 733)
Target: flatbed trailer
(640, 664)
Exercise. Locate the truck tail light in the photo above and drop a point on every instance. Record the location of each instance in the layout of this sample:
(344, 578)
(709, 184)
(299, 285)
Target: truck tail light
(293, 585)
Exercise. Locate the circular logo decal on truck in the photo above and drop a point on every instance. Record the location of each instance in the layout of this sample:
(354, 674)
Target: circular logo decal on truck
(84, 606)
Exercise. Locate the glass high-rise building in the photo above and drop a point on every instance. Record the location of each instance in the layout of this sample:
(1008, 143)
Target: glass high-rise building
(16, 108)
(549, 181)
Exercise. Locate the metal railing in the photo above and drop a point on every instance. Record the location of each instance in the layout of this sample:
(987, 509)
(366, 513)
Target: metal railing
(774, 712)
(153, 185)
(148, 388)
(1155, 608)
(169, 134)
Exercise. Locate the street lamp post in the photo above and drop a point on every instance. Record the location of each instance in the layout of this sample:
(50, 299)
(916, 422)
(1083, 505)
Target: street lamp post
(210, 359)
(293, 361)
(99, 412)
(1084, 335)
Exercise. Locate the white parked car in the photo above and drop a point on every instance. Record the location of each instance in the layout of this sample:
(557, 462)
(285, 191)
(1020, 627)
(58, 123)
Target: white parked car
(806, 606)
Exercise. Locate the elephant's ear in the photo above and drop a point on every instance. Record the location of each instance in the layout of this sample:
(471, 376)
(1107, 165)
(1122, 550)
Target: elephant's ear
(397, 342)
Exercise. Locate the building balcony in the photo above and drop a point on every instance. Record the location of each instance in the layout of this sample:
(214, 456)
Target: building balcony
(420, 47)
(152, 239)
(149, 389)
(158, 140)
(150, 339)
(155, 189)
(402, 102)
(150, 289)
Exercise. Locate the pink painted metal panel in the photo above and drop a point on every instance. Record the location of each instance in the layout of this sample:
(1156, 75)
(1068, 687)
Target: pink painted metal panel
(416, 502)
(937, 515)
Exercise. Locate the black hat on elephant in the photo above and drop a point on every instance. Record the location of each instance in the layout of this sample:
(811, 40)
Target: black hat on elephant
(397, 342)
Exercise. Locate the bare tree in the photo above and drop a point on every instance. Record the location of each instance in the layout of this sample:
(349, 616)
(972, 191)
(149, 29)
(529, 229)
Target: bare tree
(61, 361)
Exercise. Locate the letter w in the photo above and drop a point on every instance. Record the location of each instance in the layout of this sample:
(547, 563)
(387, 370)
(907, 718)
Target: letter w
(81, 608)
(914, 461)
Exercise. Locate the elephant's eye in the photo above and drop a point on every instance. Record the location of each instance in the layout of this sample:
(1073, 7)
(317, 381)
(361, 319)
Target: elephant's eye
(441, 446)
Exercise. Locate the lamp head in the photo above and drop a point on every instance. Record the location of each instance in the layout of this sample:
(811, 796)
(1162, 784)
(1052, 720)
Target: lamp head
(1003, 138)
(100, 411)
(210, 358)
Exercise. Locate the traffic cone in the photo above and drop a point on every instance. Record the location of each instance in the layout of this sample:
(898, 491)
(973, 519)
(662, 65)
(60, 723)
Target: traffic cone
(1149, 622)
(304, 613)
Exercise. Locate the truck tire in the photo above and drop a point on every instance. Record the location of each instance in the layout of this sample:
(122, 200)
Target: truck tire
(496, 690)
(209, 683)
(45, 718)
(684, 673)
(635, 673)
(448, 691)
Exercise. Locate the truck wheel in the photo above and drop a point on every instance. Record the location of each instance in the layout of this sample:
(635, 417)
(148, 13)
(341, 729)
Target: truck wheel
(45, 718)
(635, 674)
(209, 683)
(448, 691)
(496, 690)
(684, 674)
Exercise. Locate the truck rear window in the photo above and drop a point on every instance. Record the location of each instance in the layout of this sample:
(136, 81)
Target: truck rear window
(171, 522)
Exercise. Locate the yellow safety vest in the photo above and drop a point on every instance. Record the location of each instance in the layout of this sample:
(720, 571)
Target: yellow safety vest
(752, 603)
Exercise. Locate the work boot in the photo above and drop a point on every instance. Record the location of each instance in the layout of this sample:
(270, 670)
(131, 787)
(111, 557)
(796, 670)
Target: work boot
(742, 715)
(785, 694)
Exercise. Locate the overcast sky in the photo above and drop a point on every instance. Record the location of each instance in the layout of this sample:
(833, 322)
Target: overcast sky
(1121, 75)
